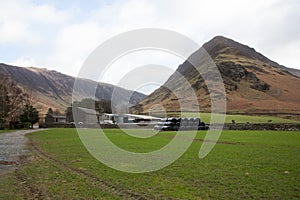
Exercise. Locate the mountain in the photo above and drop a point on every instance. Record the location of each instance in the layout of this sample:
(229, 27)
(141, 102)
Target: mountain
(54, 89)
(253, 83)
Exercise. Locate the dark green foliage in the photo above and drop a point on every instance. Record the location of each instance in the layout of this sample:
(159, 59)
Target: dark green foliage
(69, 114)
(103, 106)
(85, 103)
(50, 111)
(30, 115)
(100, 106)
(49, 116)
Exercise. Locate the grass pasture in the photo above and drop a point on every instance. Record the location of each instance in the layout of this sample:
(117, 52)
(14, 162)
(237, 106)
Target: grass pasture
(243, 165)
(237, 118)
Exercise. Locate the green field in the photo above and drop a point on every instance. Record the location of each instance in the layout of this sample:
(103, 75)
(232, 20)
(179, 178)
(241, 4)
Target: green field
(237, 118)
(243, 165)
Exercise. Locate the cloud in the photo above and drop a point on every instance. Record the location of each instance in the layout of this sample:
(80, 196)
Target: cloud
(71, 46)
(25, 61)
(23, 22)
(61, 37)
(16, 32)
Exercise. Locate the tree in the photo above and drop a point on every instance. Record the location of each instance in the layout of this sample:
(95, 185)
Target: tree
(57, 112)
(17, 98)
(85, 103)
(4, 105)
(50, 111)
(69, 114)
(103, 106)
(49, 116)
(12, 98)
(30, 115)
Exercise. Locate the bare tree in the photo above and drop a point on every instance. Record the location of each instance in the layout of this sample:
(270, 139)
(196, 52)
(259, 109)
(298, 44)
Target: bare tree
(12, 99)
(4, 101)
(30, 97)
(17, 98)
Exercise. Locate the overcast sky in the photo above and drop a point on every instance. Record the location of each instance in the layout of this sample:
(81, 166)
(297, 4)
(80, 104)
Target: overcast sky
(60, 34)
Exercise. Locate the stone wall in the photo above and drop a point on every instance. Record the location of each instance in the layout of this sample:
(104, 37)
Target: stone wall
(263, 126)
(237, 126)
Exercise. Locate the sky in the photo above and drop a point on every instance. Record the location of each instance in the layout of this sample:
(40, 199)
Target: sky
(60, 34)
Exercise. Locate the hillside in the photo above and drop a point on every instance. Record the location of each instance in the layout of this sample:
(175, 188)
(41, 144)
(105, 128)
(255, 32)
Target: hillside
(54, 89)
(253, 83)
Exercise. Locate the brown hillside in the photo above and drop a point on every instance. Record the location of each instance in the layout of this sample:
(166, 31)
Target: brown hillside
(253, 83)
(54, 89)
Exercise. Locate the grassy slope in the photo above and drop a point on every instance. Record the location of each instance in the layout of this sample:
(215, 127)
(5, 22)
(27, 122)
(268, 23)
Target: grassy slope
(8, 187)
(238, 118)
(255, 167)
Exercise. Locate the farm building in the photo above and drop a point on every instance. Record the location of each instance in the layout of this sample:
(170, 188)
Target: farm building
(127, 118)
(85, 115)
(61, 119)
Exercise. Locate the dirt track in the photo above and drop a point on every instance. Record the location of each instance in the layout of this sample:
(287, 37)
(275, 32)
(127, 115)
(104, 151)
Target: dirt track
(13, 148)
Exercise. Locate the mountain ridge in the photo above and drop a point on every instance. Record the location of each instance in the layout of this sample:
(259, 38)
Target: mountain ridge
(54, 89)
(244, 51)
(253, 82)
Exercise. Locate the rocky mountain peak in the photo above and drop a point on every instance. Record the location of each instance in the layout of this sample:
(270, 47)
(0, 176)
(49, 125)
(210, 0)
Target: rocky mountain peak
(253, 82)
(222, 45)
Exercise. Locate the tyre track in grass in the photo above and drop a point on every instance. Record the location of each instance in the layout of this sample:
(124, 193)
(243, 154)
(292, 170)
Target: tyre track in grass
(200, 140)
(106, 186)
(28, 191)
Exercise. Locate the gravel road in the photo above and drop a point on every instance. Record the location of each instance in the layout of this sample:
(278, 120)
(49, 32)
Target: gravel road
(12, 148)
